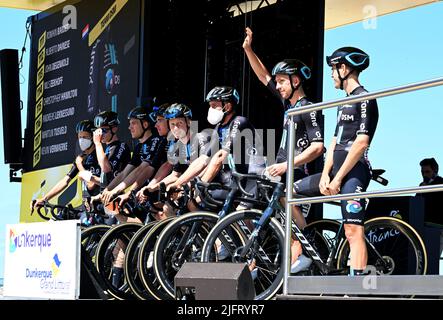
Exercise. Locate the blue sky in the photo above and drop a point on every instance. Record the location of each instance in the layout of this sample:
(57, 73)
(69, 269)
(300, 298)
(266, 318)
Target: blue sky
(404, 47)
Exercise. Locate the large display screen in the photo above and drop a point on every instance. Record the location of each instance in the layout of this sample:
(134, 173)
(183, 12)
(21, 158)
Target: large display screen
(84, 59)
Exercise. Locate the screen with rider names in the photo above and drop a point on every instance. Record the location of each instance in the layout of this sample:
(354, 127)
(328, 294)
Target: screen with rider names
(84, 60)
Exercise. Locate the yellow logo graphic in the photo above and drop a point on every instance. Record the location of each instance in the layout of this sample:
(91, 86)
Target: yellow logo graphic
(106, 20)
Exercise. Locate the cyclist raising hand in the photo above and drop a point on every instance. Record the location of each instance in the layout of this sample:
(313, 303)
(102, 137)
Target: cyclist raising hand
(289, 76)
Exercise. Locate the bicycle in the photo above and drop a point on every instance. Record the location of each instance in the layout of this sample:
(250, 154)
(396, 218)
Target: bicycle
(145, 246)
(113, 242)
(145, 262)
(90, 235)
(265, 243)
(120, 237)
(183, 238)
(132, 274)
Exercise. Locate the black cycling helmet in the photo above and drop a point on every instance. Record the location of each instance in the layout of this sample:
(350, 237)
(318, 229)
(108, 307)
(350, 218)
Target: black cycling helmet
(178, 110)
(106, 118)
(84, 125)
(140, 113)
(350, 56)
(292, 67)
(158, 111)
(224, 94)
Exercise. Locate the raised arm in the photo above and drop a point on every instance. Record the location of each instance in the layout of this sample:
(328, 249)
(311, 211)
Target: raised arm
(259, 69)
(101, 156)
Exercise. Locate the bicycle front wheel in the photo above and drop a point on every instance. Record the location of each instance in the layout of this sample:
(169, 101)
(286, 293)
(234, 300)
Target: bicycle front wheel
(264, 256)
(146, 261)
(131, 263)
(394, 247)
(91, 237)
(181, 241)
(112, 247)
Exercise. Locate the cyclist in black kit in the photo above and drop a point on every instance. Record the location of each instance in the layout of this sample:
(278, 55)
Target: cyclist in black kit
(184, 145)
(347, 169)
(161, 124)
(147, 157)
(85, 166)
(227, 138)
(289, 76)
(114, 158)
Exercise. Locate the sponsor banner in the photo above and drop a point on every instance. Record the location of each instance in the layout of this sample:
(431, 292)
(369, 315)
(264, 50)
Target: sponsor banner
(42, 260)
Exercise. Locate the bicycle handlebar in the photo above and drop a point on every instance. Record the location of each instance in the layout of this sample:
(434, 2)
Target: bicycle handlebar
(262, 180)
(99, 207)
(67, 212)
(205, 187)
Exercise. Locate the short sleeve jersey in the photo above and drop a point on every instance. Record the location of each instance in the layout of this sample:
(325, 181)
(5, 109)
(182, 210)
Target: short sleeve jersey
(309, 126)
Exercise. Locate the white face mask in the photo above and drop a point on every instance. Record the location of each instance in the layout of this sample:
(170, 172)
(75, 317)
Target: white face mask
(215, 116)
(84, 143)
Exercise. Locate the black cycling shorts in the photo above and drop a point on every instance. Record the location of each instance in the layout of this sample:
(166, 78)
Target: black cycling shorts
(357, 180)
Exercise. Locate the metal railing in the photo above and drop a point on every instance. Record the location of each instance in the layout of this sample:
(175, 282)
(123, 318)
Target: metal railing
(290, 171)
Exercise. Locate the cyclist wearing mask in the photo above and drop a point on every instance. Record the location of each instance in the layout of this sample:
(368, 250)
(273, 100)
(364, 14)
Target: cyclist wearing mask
(289, 76)
(85, 166)
(347, 168)
(229, 130)
(225, 138)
